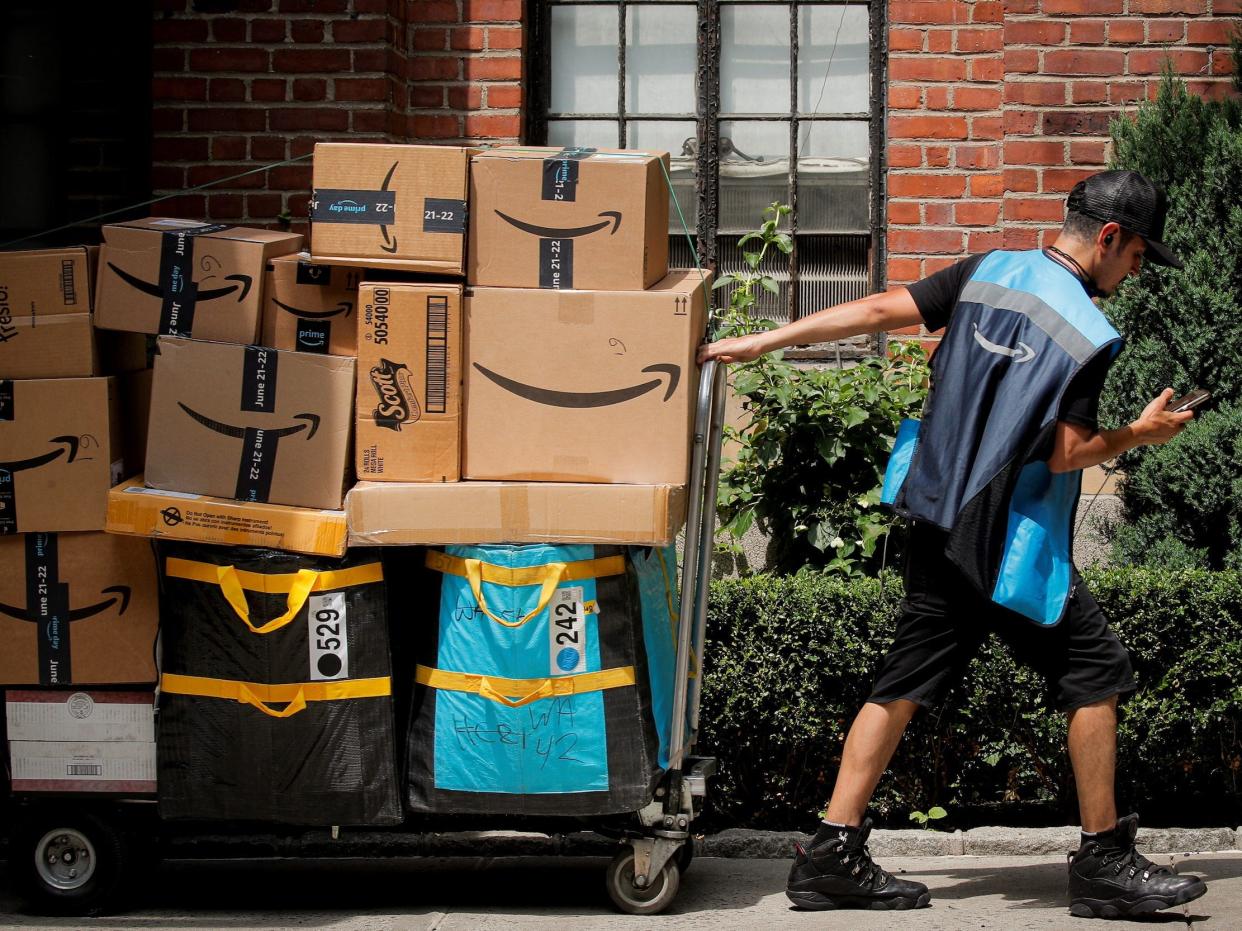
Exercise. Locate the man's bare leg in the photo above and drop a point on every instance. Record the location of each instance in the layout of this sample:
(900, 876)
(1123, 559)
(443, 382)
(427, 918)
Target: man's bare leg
(1093, 754)
(869, 746)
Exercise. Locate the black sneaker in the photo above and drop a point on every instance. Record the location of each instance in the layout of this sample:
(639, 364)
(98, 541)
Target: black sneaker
(1109, 878)
(839, 873)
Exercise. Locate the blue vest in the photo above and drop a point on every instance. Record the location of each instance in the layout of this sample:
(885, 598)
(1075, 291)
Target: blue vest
(1022, 329)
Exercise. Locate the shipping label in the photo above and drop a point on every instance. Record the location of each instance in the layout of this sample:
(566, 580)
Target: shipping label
(328, 636)
(567, 631)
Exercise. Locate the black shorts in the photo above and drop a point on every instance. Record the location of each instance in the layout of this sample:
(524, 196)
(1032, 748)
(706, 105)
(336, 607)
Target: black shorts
(944, 621)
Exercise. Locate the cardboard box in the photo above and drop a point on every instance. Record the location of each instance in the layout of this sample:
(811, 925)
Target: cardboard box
(310, 308)
(582, 386)
(408, 412)
(586, 219)
(514, 512)
(147, 512)
(106, 766)
(185, 278)
(77, 608)
(390, 206)
(60, 452)
(45, 314)
(250, 422)
(80, 716)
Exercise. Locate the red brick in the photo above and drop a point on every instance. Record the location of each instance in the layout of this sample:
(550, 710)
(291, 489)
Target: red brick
(1021, 152)
(207, 174)
(1021, 61)
(229, 148)
(1212, 90)
(426, 96)
(924, 186)
(939, 214)
(179, 149)
(1021, 7)
(431, 40)
(306, 60)
(1044, 210)
(368, 121)
(1087, 32)
(1222, 61)
(989, 39)
(1126, 91)
(465, 97)
(268, 30)
(502, 96)
(187, 206)
(1077, 122)
(1088, 92)
(310, 89)
(1209, 32)
(942, 12)
(370, 89)
(1039, 93)
(471, 38)
(1021, 180)
(179, 88)
(308, 31)
(900, 270)
(1125, 31)
(1165, 30)
(1082, 7)
(1081, 61)
(924, 241)
(504, 37)
(905, 40)
(491, 126)
(433, 69)
(989, 185)
(1190, 7)
(1019, 237)
(1034, 32)
(227, 119)
(290, 177)
(263, 205)
(1185, 61)
(1020, 122)
(227, 89)
(905, 156)
(987, 11)
(432, 11)
(168, 59)
(323, 118)
(435, 127)
(983, 241)
(1227, 7)
(228, 30)
(926, 68)
(479, 11)
(224, 206)
(977, 98)
(268, 90)
(1088, 153)
(229, 59)
(990, 69)
(976, 213)
(938, 97)
(939, 41)
(314, 6)
(268, 148)
(167, 119)
(359, 30)
(168, 31)
(986, 127)
(493, 69)
(937, 156)
(904, 213)
(977, 157)
(906, 331)
(1062, 180)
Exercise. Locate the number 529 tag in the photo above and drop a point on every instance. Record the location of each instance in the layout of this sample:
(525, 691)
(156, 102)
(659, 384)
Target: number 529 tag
(328, 636)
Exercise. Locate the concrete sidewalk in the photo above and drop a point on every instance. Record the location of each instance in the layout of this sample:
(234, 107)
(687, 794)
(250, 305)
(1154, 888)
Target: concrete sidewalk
(512, 894)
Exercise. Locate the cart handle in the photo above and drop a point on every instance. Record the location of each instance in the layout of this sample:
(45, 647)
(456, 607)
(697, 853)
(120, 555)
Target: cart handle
(247, 697)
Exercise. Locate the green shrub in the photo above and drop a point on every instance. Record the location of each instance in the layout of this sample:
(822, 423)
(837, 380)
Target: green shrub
(1182, 328)
(791, 659)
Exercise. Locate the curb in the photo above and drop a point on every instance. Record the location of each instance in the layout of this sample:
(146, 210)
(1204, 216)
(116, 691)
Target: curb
(744, 843)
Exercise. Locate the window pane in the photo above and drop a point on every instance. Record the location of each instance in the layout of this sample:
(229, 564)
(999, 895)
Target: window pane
(680, 141)
(754, 59)
(754, 171)
(584, 59)
(833, 60)
(660, 58)
(598, 134)
(834, 177)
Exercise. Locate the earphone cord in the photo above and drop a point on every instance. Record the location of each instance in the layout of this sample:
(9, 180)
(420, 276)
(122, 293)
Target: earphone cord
(1086, 279)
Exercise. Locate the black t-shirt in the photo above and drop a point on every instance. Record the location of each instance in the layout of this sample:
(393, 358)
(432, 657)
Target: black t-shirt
(936, 296)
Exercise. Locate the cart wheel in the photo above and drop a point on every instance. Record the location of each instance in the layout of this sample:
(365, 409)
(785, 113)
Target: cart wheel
(70, 863)
(653, 899)
(685, 855)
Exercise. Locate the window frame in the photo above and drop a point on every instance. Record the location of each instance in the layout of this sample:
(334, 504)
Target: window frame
(708, 116)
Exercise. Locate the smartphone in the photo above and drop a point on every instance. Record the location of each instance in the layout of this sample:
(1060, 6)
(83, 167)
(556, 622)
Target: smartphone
(1197, 397)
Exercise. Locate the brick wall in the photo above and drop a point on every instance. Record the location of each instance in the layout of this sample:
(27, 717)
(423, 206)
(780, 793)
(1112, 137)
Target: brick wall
(998, 107)
(239, 84)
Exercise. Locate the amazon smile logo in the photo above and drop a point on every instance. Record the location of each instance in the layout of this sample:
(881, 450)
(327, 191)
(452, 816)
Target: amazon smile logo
(120, 595)
(587, 399)
(611, 217)
(343, 309)
(237, 433)
(68, 444)
(1023, 353)
(177, 286)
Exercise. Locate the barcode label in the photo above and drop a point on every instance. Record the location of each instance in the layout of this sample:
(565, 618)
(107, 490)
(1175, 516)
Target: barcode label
(83, 769)
(436, 389)
(68, 292)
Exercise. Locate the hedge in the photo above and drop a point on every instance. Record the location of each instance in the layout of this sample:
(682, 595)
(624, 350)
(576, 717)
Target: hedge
(790, 659)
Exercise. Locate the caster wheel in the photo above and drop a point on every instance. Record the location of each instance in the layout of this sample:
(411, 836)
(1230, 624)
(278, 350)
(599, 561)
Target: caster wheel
(69, 864)
(685, 855)
(650, 900)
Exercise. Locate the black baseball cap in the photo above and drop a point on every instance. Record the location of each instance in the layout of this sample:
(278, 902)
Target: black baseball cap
(1132, 202)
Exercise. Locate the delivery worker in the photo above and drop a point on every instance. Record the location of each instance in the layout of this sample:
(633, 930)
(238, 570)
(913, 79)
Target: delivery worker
(990, 480)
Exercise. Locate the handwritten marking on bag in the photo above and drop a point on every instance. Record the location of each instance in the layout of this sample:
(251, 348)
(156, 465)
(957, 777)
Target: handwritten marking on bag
(540, 736)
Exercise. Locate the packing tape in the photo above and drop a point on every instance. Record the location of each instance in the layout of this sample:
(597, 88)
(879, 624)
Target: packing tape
(514, 508)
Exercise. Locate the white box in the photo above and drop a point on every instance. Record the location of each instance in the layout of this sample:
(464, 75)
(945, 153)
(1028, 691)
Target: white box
(80, 716)
(89, 766)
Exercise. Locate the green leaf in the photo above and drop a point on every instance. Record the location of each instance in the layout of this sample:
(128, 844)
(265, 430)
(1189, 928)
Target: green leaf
(936, 813)
(752, 259)
(918, 817)
(770, 285)
(723, 282)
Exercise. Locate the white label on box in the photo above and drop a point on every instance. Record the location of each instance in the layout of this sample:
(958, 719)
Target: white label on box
(179, 224)
(567, 632)
(39, 762)
(137, 490)
(328, 636)
(97, 716)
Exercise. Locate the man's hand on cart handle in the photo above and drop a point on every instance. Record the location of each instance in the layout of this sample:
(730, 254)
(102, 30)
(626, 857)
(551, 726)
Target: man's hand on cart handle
(891, 310)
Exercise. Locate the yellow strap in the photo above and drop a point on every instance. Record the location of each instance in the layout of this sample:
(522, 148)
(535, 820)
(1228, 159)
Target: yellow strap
(259, 694)
(517, 692)
(548, 577)
(234, 583)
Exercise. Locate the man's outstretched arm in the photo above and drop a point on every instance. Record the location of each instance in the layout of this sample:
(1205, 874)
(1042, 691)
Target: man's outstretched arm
(1079, 448)
(890, 310)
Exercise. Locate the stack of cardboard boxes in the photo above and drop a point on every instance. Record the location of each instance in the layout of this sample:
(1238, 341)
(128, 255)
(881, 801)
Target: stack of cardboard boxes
(490, 343)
